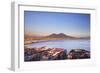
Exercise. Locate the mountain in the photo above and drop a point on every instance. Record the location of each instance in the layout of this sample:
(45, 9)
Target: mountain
(60, 35)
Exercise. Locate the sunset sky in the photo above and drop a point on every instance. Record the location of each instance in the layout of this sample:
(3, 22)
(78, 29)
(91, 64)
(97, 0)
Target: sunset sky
(45, 23)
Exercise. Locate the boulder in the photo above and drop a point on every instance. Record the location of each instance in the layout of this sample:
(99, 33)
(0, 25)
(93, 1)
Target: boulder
(78, 54)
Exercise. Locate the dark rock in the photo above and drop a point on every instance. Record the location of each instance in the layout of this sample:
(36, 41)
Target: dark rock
(45, 53)
(78, 54)
(62, 55)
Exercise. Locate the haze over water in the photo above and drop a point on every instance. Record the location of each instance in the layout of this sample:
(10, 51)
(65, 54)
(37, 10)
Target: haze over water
(66, 44)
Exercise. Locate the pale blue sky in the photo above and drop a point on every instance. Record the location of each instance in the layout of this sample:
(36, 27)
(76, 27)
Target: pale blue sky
(45, 23)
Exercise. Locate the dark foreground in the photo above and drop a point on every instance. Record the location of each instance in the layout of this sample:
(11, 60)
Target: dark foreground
(45, 53)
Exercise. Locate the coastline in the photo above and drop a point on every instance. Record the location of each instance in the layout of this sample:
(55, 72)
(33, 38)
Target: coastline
(38, 41)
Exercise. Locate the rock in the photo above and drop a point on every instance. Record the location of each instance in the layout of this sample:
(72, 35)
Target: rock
(62, 55)
(44, 53)
(78, 54)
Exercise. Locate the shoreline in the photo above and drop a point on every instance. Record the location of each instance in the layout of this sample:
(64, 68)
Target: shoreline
(38, 41)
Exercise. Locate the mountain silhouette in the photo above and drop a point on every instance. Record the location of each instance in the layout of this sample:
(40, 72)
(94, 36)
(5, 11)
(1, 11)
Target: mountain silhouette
(60, 35)
(54, 36)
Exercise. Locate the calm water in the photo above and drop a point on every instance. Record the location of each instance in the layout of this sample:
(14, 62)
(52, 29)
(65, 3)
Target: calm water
(66, 44)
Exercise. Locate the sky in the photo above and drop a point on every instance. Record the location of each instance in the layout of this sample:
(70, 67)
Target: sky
(40, 23)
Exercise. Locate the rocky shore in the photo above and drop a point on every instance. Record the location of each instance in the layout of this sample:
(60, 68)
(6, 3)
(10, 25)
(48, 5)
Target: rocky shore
(45, 53)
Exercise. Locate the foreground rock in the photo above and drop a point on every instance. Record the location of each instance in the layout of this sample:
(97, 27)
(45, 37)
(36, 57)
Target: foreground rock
(44, 53)
(78, 54)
